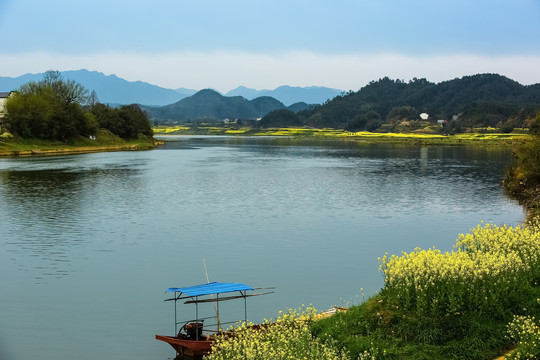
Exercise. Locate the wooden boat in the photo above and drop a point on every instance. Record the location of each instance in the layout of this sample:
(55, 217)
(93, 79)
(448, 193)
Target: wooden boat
(193, 338)
(194, 348)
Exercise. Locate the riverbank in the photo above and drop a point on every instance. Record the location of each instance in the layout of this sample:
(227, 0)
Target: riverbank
(104, 141)
(479, 301)
(522, 178)
(480, 138)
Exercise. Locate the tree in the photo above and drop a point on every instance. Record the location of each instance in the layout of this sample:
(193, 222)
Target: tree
(369, 121)
(534, 128)
(280, 118)
(136, 121)
(522, 179)
(128, 121)
(401, 113)
(92, 99)
(68, 91)
(48, 109)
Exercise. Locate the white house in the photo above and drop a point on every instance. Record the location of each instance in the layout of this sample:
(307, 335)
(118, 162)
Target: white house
(3, 98)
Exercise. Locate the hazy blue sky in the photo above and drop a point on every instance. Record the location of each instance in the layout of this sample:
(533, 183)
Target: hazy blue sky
(264, 44)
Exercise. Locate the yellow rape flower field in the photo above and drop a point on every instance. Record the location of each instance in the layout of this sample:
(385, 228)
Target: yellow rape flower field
(482, 137)
(478, 301)
(487, 268)
(288, 337)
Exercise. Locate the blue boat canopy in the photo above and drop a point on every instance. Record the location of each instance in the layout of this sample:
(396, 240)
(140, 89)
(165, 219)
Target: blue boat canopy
(211, 288)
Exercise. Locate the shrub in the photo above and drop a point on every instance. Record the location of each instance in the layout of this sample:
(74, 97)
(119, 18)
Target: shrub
(288, 337)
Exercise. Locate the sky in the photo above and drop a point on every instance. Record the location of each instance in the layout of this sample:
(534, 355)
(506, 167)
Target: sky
(263, 44)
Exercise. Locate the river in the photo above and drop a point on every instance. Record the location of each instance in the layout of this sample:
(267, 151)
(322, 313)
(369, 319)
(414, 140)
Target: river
(89, 243)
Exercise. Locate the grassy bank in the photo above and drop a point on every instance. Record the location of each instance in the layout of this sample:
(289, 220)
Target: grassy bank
(464, 304)
(104, 141)
(476, 302)
(480, 138)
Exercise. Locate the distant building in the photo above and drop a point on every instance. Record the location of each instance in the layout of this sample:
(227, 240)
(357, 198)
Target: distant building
(441, 122)
(3, 98)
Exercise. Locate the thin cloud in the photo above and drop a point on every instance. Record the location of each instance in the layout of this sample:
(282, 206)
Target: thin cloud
(223, 70)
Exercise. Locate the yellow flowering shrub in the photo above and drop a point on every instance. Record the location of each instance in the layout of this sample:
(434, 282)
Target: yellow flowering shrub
(485, 269)
(288, 337)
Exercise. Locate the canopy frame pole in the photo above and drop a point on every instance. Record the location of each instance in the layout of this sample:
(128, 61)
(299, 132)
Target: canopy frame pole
(175, 318)
(217, 312)
(245, 305)
(196, 318)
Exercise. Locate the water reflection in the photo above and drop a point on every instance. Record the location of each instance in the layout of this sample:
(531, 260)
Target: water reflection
(48, 215)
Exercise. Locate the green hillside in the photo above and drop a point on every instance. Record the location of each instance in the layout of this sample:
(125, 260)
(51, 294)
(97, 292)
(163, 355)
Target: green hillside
(484, 100)
(210, 105)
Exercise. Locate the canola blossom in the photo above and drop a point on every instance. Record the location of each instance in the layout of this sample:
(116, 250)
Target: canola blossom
(288, 337)
(526, 334)
(486, 268)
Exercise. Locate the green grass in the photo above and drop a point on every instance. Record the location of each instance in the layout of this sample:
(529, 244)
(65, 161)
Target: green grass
(454, 305)
(104, 141)
(377, 328)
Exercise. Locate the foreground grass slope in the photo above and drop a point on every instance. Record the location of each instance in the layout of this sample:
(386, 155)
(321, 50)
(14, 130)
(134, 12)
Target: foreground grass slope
(475, 302)
(452, 305)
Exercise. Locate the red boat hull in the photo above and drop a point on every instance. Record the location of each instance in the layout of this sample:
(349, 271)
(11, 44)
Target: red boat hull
(187, 347)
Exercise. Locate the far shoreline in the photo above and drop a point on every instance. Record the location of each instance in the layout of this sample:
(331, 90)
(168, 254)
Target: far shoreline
(476, 138)
(71, 150)
(11, 148)
(103, 142)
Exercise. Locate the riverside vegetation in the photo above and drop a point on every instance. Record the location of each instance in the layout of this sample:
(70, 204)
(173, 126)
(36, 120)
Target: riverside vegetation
(56, 115)
(522, 178)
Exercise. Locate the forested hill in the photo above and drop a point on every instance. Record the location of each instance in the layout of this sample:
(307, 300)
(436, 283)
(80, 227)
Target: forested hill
(210, 105)
(478, 100)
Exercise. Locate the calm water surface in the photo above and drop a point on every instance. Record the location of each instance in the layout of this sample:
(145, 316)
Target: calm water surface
(90, 242)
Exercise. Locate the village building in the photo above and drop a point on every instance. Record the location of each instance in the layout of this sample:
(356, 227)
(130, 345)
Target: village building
(3, 98)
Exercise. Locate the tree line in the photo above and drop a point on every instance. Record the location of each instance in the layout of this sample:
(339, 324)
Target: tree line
(59, 109)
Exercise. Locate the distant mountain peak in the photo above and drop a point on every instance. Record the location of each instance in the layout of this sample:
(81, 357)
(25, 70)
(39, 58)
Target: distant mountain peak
(110, 89)
(288, 94)
(207, 93)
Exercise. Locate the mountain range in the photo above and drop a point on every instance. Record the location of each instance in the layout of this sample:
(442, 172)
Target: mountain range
(111, 89)
(289, 95)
